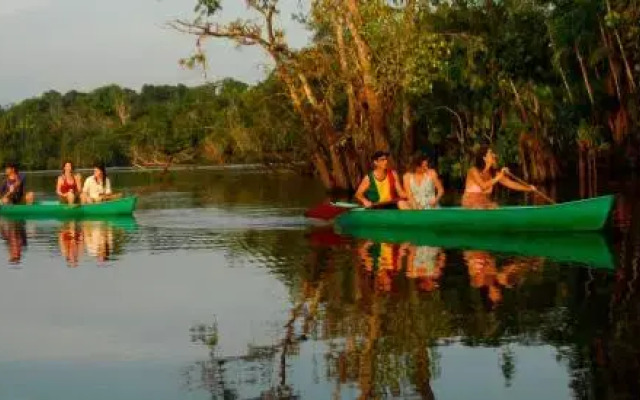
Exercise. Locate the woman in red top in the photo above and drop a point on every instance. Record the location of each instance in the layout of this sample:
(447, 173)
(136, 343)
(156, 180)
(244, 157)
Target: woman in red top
(69, 185)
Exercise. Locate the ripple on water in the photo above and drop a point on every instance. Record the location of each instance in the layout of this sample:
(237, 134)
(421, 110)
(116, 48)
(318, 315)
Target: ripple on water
(238, 218)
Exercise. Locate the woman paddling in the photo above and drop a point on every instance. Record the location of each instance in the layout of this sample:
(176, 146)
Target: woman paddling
(481, 180)
(381, 185)
(423, 186)
(68, 185)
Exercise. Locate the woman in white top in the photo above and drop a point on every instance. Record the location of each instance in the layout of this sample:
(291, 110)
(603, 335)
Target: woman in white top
(423, 186)
(97, 187)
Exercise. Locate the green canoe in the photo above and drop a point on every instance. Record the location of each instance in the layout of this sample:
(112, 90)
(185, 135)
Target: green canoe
(577, 216)
(589, 248)
(55, 210)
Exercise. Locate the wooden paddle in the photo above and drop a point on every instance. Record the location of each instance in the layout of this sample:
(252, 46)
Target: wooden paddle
(536, 191)
(328, 211)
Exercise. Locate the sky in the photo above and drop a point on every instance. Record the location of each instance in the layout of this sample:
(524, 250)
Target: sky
(84, 44)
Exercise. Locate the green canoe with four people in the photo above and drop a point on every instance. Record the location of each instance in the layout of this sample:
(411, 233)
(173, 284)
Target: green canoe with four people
(53, 209)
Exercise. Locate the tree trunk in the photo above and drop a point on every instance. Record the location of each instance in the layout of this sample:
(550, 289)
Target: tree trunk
(522, 152)
(627, 67)
(581, 170)
(318, 126)
(322, 169)
(612, 65)
(408, 137)
(344, 67)
(374, 104)
(523, 111)
(585, 74)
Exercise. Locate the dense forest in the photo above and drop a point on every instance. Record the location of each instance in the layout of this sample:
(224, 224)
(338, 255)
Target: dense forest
(549, 83)
(226, 121)
(552, 85)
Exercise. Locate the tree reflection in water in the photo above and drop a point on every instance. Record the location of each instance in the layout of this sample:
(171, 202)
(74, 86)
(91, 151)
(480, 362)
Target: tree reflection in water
(382, 311)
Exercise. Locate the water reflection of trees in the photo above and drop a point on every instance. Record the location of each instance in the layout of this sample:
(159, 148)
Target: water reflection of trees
(226, 189)
(384, 338)
(601, 325)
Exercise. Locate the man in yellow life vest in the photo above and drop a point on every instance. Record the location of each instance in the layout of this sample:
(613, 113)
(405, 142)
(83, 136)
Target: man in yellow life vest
(381, 185)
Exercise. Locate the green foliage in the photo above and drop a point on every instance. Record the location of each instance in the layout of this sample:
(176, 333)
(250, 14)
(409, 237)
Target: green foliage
(160, 124)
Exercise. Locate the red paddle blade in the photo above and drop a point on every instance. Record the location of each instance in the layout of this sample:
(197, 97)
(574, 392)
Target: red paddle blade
(325, 211)
(326, 237)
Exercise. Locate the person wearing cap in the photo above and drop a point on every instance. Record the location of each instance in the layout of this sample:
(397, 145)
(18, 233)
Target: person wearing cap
(381, 185)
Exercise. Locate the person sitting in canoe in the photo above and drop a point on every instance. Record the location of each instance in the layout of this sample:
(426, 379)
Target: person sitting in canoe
(381, 185)
(423, 186)
(97, 187)
(68, 185)
(481, 180)
(12, 189)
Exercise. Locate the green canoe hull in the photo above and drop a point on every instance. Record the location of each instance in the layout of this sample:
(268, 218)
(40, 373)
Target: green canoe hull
(588, 248)
(55, 210)
(587, 215)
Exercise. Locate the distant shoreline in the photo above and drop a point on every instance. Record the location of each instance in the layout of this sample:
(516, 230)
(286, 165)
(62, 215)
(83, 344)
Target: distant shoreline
(235, 167)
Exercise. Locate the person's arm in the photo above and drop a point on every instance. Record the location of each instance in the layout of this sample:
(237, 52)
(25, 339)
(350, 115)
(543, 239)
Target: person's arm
(78, 179)
(409, 193)
(364, 186)
(59, 186)
(399, 188)
(511, 184)
(86, 188)
(439, 188)
(476, 178)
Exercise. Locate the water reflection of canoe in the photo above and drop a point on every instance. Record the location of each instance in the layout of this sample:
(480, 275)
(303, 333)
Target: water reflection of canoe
(585, 248)
(578, 216)
(123, 222)
(53, 209)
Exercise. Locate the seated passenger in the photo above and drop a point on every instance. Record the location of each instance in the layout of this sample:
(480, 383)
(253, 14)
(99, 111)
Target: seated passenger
(423, 186)
(381, 186)
(68, 185)
(12, 190)
(97, 187)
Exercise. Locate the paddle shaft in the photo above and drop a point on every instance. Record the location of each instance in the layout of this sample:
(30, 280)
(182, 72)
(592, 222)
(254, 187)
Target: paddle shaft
(538, 192)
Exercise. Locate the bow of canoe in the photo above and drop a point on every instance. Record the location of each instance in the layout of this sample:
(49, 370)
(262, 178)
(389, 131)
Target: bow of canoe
(53, 209)
(586, 215)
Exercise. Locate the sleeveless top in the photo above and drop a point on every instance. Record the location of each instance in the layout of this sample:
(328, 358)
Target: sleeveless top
(473, 188)
(426, 260)
(67, 187)
(381, 191)
(423, 192)
(476, 189)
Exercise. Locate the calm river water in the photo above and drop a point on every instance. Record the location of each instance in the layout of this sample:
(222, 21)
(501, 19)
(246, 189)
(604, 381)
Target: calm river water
(219, 288)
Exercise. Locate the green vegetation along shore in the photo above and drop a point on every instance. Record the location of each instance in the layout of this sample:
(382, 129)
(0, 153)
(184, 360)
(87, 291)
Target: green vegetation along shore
(552, 85)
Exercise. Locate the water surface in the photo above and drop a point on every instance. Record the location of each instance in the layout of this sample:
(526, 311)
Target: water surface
(218, 288)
